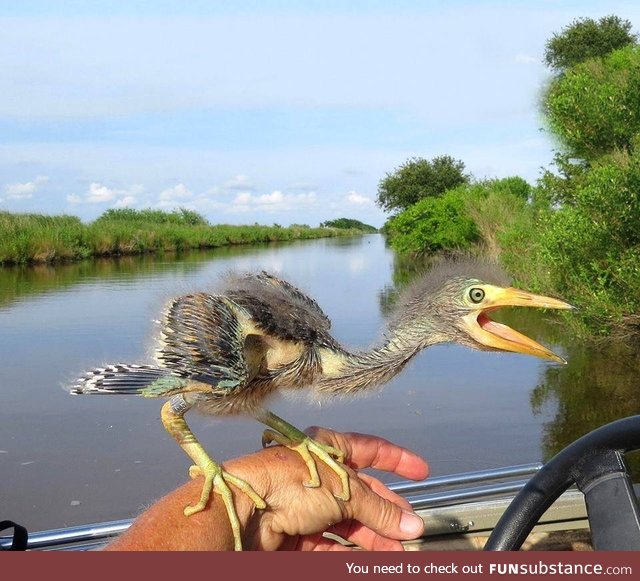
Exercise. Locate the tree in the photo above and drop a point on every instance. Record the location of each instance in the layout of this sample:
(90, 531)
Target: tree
(348, 223)
(586, 38)
(419, 178)
(433, 224)
(588, 237)
(594, 107)
(514, 185)
(592, 246)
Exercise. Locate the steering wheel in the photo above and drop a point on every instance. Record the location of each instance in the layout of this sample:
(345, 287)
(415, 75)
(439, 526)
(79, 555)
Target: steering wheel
(596, 464)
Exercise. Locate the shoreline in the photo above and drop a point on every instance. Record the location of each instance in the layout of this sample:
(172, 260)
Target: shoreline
(38, 239)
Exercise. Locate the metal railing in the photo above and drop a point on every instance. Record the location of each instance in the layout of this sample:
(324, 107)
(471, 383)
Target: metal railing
(436, 491)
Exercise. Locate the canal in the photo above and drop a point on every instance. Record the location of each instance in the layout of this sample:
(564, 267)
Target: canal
(73, 460)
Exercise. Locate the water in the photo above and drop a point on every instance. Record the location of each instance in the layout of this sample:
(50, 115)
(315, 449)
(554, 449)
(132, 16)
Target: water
(73, 460)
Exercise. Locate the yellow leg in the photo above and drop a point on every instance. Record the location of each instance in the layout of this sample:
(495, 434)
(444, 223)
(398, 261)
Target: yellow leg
(287, 435)
(215, 478)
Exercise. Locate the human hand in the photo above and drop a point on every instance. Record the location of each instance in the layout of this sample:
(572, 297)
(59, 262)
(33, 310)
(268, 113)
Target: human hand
(296, 516)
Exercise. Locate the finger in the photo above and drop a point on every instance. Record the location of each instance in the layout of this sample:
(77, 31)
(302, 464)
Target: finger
(364, 537)
(372, 452)
(381, 515)
(364, 451)
(381, 490)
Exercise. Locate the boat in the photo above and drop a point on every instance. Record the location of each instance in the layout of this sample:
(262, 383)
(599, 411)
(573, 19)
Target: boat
(459, 511)
(581, 499)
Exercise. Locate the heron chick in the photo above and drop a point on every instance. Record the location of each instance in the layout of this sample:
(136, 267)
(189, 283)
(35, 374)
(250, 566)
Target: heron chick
(225, 353)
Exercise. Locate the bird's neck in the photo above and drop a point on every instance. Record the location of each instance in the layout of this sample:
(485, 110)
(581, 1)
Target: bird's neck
(359, 371)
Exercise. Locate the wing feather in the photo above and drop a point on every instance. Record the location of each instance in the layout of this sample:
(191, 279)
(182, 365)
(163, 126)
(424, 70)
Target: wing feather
(202, 338)
(280, 309)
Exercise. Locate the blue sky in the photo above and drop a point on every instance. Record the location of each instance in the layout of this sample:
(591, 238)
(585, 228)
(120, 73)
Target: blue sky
(268, 111)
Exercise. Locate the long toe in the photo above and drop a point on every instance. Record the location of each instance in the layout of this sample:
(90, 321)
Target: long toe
(218, 480)
(326, 454)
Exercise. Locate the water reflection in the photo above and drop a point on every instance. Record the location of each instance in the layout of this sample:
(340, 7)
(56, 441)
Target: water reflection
(600, 384)
(17, 282)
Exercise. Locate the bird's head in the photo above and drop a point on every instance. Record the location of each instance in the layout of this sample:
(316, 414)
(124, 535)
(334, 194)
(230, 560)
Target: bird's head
(457, 310)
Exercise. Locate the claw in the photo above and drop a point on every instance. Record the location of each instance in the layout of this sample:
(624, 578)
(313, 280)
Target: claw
(215, 478)
(269, 436)
(324, 452)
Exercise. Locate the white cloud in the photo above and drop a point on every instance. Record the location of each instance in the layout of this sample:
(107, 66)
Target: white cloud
(243, 198)
(358, 199)
(275, 197)
(98, 193)
(239, 182)
(125, 202)
(202, 202)
(21, 191)
(309, 197)
(177, 192)
(301, 186)
(526, 59)
(275, 201)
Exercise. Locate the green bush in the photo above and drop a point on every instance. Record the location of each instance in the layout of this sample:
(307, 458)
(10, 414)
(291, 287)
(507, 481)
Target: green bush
(44, 238)
(592, 247)
(180, 216)
(512, 186)
(473, 213)
(433, 224)
(595, 107)
(500, 212)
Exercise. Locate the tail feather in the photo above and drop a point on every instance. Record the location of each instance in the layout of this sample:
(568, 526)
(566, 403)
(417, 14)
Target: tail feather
(119, 379)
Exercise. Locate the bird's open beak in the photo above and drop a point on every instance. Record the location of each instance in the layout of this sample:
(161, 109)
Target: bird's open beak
(500, 337)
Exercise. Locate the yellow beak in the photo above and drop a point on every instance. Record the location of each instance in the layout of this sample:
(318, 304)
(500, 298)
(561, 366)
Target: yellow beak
(501, 337)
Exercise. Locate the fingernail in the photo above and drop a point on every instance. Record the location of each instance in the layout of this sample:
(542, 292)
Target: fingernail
(411, 523)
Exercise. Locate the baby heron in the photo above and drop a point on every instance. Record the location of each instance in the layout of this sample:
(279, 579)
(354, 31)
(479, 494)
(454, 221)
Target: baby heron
(226, 353)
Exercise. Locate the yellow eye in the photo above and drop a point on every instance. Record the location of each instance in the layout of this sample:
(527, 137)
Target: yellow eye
(476, 295)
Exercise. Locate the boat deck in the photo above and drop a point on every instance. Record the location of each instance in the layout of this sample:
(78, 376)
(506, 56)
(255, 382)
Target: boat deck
(459, 511)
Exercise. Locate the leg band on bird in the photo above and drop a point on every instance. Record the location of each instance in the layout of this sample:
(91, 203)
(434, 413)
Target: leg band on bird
(291, 437)
(215, 478)
(179, 405)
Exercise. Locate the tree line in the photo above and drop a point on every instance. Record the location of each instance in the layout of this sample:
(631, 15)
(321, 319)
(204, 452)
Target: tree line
(37, 238)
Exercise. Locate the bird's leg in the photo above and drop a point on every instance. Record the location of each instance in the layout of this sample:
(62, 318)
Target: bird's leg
(291, 437)
(215, 478)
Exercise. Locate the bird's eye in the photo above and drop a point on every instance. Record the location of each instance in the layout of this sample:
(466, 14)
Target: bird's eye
(476, 295)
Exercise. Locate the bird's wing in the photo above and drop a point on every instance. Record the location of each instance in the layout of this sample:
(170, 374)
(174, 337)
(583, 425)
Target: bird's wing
(203, 338)
(296, 296)
(279, 309)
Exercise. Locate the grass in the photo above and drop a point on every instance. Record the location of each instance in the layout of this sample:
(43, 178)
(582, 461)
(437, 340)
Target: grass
(36, 238)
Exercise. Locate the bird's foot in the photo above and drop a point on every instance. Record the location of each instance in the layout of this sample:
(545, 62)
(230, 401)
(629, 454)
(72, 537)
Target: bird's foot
(328, 454)
(216, 479)
(269, 436)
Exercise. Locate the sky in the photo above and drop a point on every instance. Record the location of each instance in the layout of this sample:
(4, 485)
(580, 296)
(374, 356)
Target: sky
(267, 111)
